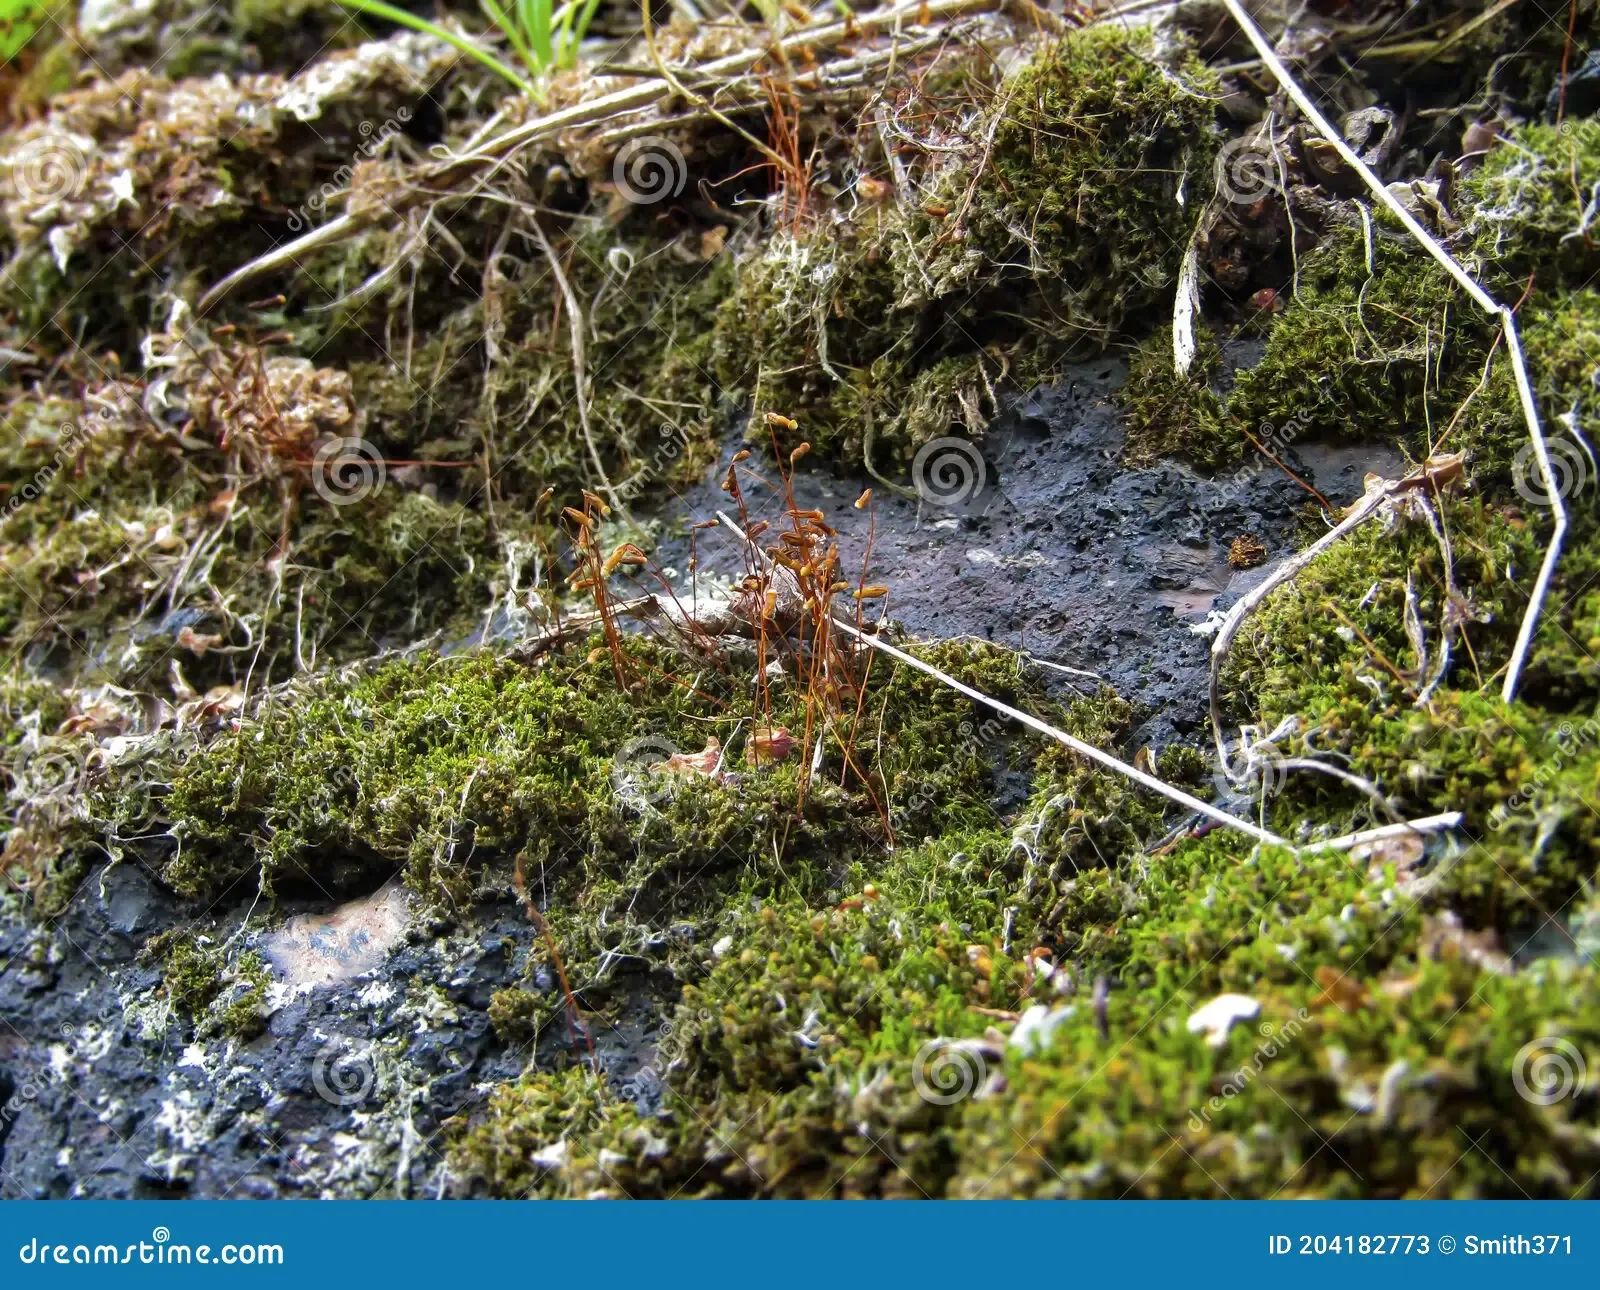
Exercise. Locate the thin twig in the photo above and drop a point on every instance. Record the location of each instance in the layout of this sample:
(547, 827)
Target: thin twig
(1427, 824)
(1246, 604)
(1485, 301)
(1060, 736)
(575, 328)
(1372, 646)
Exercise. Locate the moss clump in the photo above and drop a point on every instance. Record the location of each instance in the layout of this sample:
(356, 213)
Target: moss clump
(1376, 343)
(534, 1118)
(449, 768)
(812, 332)
(1525, 204)
(117, 550)
(174, 163)
(1310, 1101)
(776, 1057)
(850, 1051)
(654, 404)
(490, 386)
(1169, 415)
(1092, 142)
(803, 1057)
(1518, 773)
(217, 996)
(1359, 353)
(515, 1014)
(389, 766)
(903, 324)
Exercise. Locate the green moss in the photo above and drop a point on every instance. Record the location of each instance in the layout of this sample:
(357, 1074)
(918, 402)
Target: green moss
(99, 562)
(1376, 343)
(1464, 750)
(794, 1060)
(528, 1117)
(1404, 1096)
(215, 994)
(812, 332)
(1173, 416)
(390, 763)
(898, 325)
(245, 1015)
(1527, 204)
(1092, 143)
(515, 1014)
(807, 1062)
(836, 953)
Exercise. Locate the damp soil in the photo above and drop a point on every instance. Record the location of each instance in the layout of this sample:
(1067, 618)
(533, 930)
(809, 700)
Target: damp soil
(379, 1038)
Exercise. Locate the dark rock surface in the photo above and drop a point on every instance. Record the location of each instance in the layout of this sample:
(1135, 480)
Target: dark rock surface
(108, 1094)
(1061, 550)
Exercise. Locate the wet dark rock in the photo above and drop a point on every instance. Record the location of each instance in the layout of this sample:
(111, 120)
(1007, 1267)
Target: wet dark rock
(1062, 550)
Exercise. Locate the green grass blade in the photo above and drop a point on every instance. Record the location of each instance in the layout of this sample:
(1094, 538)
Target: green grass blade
(574, 26)
(500, 19)
(378, 9)
(536, 21)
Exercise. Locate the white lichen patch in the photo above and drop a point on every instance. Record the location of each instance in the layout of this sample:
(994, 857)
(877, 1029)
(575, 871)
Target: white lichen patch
(1216, 1018)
